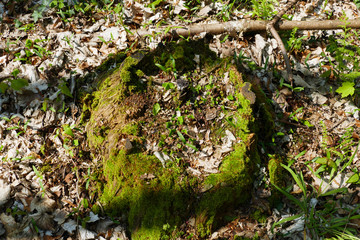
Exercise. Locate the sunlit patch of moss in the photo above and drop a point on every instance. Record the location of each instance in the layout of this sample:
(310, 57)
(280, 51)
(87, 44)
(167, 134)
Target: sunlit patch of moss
(256, 237)
(46, 168)
(276, 177)
(131, 129)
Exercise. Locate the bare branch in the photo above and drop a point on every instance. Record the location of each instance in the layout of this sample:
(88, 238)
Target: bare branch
(245, 25)
(271, 27)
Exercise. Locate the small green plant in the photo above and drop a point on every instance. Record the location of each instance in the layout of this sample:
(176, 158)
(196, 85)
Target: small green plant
(156, 109)
(169, 69)
(168, 85)
(31, 48)
(318, 221)
(20, 127)
(26, 27)
(348, 84)
(64, 88)
(294, 89)
(70, 143)
(294, 43)
(227, 10)
(41, 178)
(264, 9)
(68, 40)
(338, 156)
(347, 59)
(15, 83)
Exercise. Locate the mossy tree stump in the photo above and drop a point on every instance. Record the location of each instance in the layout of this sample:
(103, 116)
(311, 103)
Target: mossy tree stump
(153, 194)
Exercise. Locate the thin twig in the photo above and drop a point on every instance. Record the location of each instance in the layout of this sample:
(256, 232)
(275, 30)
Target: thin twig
(271, 27)
(336, 125)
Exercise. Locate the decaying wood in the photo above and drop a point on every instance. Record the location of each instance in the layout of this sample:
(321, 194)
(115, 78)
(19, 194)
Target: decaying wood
(244, 25)
(271, 27)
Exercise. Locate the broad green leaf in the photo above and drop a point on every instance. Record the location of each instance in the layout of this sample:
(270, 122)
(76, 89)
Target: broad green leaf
(156, 109)
(326, 161)
(168, 85)
(161, 67)
(346, 89)
(68, 130)
(18, 83)
(65, 90)
(354, 178)
(15, 72)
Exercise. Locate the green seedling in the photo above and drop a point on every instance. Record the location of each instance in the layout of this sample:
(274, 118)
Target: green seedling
(156, 109)
(168, 85)
(294, 89)
(264, 9)
(346, 89)
(65, 89)
(68, 130)
(294, 42)
(45, 105)
(67, 39)
(26, 27)
(104, 41)
(19, 126)
(41, 178)
(293, 114)
(180, 120)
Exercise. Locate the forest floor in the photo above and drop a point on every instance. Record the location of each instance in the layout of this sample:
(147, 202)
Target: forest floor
(48, 172)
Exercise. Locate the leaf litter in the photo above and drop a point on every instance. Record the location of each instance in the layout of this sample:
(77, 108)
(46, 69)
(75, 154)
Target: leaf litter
(51, 203)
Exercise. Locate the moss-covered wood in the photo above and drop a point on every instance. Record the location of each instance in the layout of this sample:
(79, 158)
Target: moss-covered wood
(152, 194)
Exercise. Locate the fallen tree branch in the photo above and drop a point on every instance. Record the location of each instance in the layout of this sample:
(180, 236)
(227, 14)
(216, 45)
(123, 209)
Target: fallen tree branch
(271, 27)
(244, 25)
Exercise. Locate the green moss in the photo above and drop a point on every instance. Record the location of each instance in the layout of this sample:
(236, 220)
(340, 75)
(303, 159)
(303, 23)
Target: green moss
(46, 168)
(276, 177)
(110, 61)
(131, 129)
(259, 216)
(149, 203)
(170, 195)
(233, 184)
(140, 73)
(275, 171)
(256, 237)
